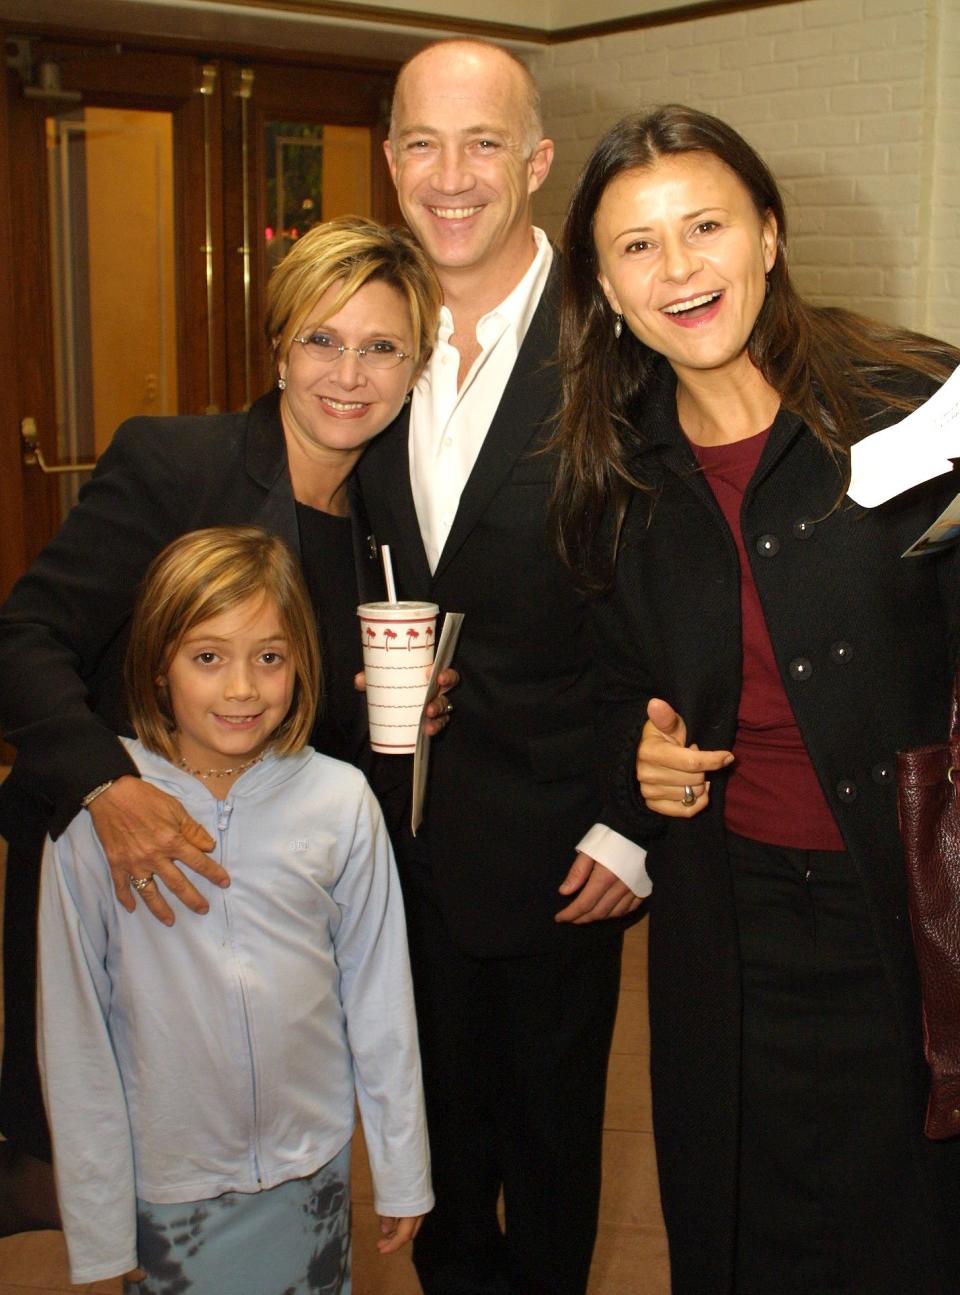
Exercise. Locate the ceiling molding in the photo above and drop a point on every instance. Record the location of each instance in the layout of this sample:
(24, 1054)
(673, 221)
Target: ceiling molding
(344, 29)
(417, 18)
(657, 18)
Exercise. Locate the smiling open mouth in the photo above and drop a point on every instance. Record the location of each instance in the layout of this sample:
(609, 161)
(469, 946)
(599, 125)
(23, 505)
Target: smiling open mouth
(455, 213)
(693, 308)
(344, 406)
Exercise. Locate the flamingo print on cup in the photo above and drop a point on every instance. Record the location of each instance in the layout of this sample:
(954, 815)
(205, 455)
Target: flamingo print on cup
(397, 643)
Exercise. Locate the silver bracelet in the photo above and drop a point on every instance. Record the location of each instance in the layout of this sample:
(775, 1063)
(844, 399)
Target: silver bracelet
(91, 796)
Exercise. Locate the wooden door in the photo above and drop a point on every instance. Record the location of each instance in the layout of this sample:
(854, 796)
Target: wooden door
(301, 145)
(117, 276)
(148, 195)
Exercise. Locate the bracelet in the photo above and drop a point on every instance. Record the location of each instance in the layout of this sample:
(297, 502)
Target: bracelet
(91, 796)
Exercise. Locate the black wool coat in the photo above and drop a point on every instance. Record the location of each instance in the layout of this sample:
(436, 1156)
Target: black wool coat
(866, 642)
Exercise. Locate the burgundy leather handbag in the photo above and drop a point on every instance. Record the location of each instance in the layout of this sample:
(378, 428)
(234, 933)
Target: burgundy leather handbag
(928, 798)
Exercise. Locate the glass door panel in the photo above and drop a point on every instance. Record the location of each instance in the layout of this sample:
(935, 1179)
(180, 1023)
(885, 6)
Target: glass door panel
(314, 173)
(347, 188)
(113, 293)
(290, 171)
(115, 204)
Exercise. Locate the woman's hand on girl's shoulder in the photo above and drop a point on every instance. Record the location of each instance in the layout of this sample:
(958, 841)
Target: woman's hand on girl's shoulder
(145, 833)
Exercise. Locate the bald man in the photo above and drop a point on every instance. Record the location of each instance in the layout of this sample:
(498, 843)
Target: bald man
(515, 922)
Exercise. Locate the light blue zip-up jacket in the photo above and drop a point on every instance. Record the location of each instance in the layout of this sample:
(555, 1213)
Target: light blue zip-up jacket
(223, 1054)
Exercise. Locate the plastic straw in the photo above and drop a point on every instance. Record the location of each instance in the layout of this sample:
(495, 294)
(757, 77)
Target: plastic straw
(388, 573)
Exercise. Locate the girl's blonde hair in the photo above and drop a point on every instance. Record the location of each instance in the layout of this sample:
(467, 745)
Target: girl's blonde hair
(200, 575)
(351, 251)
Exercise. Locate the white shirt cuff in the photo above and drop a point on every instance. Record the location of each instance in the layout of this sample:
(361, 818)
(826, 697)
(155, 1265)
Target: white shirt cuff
(623, 857)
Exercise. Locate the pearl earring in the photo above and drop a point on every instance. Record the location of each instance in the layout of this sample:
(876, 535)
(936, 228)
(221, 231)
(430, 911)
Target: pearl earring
(618, 327)
(282, 384)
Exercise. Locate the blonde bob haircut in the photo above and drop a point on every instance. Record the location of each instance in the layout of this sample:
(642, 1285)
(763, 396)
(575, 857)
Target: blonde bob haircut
(350, 252)
(200, 575)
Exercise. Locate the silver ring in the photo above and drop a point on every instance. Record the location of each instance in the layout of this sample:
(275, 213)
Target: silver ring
(140, 884)
(689, 795)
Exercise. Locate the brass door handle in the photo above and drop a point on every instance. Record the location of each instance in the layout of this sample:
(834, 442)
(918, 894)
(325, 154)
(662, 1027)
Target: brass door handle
(33, 455)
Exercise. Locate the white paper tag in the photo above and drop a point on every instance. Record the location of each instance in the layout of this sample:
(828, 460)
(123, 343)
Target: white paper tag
(916, 449)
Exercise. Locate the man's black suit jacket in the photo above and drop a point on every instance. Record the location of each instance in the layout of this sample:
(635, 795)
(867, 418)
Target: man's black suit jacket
(514, 778)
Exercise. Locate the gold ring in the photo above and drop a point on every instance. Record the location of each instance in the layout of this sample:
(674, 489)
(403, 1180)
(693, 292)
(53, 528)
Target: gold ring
(141, 883)
(689, 796)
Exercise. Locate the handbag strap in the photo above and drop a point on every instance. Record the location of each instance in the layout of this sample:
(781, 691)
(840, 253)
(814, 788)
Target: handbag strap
(955, 708)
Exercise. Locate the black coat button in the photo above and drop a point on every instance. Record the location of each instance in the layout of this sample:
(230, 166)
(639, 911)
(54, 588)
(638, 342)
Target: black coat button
(768, 546)
(882, 773)
(803, 528)
(847, 790)
(800, 668)
(840, 652)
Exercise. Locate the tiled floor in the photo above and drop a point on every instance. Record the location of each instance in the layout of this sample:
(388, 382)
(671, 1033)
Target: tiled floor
(631, 1254)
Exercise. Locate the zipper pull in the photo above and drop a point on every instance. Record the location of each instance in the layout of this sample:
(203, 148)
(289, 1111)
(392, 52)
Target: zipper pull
(224, 810)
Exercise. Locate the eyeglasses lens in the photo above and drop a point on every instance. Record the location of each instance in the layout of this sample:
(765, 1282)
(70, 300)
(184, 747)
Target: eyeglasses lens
(329, 353)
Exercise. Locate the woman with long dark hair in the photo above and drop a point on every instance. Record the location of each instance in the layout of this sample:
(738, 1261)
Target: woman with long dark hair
(768, 651)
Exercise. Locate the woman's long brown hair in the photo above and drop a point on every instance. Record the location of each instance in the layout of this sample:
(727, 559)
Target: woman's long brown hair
(828, 365)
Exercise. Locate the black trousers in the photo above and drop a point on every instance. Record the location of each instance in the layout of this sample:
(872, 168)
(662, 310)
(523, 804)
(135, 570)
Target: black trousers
(830, 1199)
(22, 1117)
(515, 1061)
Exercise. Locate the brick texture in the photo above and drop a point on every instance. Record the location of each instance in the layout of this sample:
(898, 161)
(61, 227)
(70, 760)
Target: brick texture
(855, 104)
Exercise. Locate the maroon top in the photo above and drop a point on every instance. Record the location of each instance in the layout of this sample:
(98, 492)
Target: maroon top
(773, 794)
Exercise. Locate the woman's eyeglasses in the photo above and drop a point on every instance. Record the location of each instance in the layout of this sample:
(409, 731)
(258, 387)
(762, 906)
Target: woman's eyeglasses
(325, 348)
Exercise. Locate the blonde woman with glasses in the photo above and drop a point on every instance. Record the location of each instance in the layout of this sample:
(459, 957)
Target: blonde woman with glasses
(351, 314)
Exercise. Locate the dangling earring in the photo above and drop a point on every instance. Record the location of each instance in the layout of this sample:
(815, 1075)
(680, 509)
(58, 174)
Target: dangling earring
(282, 384)
(767, 290)
(618, 326)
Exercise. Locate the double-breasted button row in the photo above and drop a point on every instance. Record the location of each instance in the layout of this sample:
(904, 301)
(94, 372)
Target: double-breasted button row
(801, 667)
(768, 545)
(881, 773)
(847, 790)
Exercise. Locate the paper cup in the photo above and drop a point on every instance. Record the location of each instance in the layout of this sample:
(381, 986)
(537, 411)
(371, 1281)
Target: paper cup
(398, 641)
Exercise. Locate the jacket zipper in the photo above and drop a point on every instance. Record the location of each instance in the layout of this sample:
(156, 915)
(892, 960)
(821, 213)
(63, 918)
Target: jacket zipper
(224, 810)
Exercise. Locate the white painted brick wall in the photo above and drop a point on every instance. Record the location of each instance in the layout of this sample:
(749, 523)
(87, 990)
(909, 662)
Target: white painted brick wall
(942, 286)
(855, 104)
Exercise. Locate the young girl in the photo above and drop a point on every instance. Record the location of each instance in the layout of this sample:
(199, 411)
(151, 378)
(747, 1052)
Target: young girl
(200, 1082)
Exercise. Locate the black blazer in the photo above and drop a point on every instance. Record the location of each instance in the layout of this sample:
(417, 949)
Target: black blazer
(63, 630)
(866, 642)
(513, 779)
